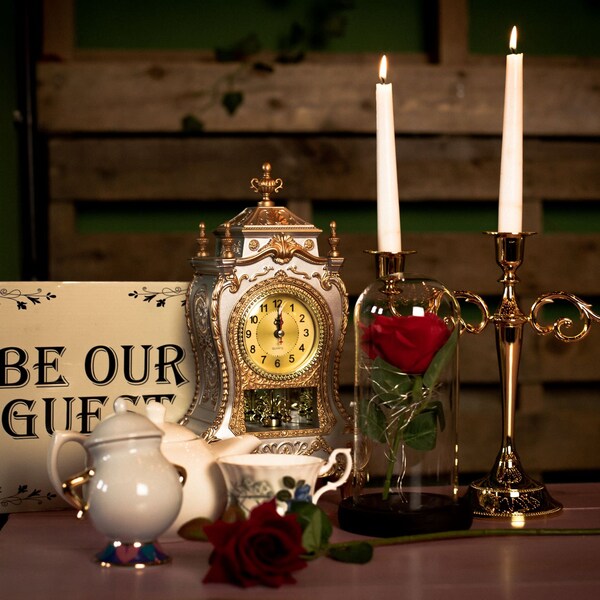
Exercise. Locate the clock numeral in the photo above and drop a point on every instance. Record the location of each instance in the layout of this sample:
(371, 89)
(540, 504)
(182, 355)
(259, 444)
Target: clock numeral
(252, 349)
(292, 358)
(248, 333)
(301, 348)
(306, 333)
(277, 302)
(263, 358)
(291, 308)
(277, 363)
(302, 317)
(254, 319)
(264, 308)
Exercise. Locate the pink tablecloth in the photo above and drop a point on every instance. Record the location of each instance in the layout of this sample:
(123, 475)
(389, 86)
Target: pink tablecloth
(49, 555)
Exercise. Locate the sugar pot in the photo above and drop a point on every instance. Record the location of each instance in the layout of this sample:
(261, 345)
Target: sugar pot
(130, 491)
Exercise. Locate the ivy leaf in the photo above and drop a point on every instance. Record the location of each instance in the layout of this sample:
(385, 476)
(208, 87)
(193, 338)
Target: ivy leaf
(263, 67)
(316, 527)
(356, 552)
(421, 431)
(436, 366)
(239, 50)
(231, 101)
(191, 124)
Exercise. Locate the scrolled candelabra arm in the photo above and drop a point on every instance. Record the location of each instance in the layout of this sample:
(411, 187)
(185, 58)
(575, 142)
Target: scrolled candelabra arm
(471, 298)
(560, 326)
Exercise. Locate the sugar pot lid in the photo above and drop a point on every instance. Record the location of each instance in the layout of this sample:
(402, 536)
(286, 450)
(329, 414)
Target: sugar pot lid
(123, 425)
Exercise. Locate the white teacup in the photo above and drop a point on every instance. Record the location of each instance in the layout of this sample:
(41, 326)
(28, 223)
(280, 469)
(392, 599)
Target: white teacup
(252, 479)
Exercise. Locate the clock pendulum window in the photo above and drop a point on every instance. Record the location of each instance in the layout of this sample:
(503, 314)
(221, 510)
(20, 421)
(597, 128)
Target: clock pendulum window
(267, 317)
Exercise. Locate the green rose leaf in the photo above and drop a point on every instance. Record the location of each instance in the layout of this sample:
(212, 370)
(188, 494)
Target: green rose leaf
(390, 385)
(438, 408)
(316, 527)
(357, 552)
(421, 431)
(373, 421)
(436, 366)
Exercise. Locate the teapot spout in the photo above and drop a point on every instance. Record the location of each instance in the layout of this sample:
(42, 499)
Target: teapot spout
(241, 444)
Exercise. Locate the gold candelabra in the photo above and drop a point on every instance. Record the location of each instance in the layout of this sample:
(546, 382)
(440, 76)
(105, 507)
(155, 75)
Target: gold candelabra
(508, 491)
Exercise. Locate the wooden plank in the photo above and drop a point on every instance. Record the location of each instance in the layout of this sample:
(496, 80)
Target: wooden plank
(461, 260)
(58, 29)
(563, 436)
(310, 97)
(453, 31)
(316, 167)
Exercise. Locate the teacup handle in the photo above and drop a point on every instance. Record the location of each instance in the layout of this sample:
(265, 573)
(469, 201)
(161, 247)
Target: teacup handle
(332, 485)
(66, 489)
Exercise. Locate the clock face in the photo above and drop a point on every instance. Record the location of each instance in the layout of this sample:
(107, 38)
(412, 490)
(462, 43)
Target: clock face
(280, 333)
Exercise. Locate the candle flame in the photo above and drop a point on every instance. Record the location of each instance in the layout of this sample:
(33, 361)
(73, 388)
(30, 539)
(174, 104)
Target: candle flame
(383, 68)
(513, 39)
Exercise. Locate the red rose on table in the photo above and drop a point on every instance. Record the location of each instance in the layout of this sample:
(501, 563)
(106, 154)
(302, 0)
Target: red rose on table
(263, 550)
(407, 343)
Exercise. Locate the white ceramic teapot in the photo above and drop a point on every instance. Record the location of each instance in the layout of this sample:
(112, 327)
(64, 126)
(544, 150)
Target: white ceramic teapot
(133, 492)
(204, 493)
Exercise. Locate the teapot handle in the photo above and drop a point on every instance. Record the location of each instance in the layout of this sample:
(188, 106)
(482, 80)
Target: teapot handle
(71, 494)
(67, 489)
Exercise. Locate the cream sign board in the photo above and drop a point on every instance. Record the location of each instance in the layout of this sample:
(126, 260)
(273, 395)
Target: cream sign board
(67, 351)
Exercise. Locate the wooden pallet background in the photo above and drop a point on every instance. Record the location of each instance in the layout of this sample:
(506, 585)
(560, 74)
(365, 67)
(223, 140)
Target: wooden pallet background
(113, 125)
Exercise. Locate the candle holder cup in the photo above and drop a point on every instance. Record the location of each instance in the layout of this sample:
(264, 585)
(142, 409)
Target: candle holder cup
(507, 490)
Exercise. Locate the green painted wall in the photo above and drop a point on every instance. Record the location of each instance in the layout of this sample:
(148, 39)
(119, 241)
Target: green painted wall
(546, 27)
(368, 25)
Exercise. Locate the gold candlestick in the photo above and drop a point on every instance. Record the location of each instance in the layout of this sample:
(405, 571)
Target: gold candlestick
(507, 490)
(387, 263)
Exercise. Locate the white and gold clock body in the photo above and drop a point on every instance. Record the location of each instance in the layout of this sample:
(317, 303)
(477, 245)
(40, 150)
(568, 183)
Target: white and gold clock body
(268, 316)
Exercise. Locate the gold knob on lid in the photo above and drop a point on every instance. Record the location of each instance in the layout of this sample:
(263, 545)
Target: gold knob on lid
(266, 185)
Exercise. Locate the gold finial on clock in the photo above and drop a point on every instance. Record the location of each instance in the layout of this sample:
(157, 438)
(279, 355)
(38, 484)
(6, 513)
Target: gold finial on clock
(227, 243)
(334, 240)
(202, 241)
(266, 185)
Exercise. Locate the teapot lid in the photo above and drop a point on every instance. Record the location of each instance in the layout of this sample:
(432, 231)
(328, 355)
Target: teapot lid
(123, 425)
(173, 432)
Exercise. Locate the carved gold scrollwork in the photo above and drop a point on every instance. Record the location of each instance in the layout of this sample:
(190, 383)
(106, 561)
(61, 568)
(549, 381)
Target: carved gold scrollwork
(478, 301)
(558, 327)
(284, 245)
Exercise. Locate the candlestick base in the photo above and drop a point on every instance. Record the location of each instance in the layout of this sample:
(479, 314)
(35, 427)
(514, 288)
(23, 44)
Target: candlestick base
(508, 491)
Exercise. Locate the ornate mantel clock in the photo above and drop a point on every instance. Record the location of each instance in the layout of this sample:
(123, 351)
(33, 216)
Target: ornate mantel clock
(267, 316)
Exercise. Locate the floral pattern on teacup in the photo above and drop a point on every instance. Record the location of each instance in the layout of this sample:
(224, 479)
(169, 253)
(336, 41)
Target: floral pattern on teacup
(248, 493)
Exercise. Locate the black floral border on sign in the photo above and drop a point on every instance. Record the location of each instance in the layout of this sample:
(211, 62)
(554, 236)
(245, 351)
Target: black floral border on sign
(23, 495)
(21, 299)
(160, 297)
